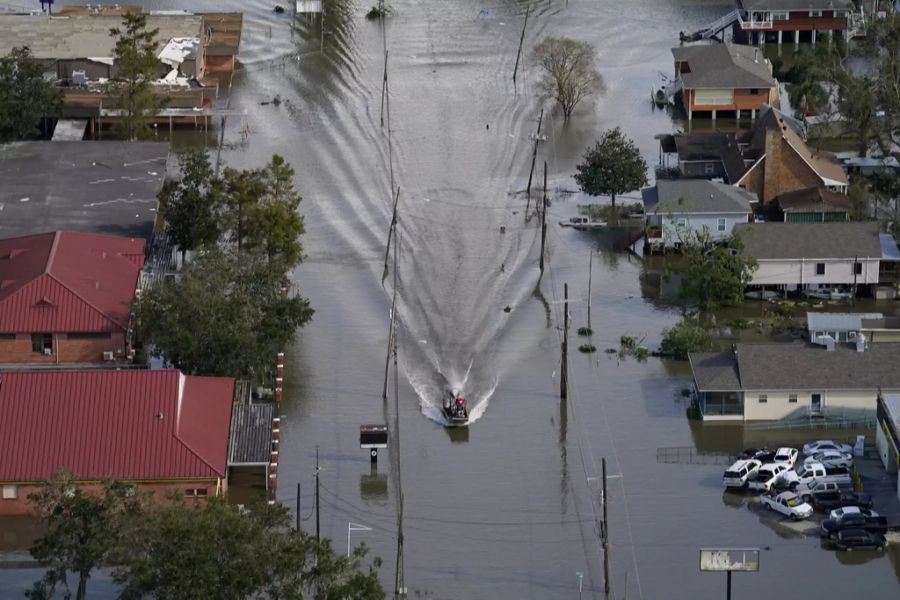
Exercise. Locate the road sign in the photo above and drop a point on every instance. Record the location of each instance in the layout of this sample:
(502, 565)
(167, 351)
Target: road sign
(729, 559)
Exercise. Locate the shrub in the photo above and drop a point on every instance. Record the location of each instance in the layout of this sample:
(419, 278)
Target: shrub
(587, 348)
(585, 331)
(685, 337)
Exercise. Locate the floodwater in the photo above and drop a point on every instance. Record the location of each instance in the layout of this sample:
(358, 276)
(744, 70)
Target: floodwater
(509, 506)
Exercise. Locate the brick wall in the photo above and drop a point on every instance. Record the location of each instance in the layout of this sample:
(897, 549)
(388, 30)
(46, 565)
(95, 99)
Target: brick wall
(161, 494)
(19, 350)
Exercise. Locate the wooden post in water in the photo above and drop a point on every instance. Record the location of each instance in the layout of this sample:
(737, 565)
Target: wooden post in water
(605, 532)
(564, 371)
(544, 219)
(521, 40)
(534, 154)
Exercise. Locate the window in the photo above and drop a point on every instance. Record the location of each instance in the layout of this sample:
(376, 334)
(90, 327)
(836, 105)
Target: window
(195, 493)
(721, 224)
(7, 336)
(42, 343)
(10, 492)
(763, 398)
(792, 399)
(820, 268)
(682, 222)
(709, 168)
(89, 335)
(857, 268)
(754, 91)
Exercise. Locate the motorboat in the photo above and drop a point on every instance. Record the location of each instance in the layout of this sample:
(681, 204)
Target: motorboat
(455, 408)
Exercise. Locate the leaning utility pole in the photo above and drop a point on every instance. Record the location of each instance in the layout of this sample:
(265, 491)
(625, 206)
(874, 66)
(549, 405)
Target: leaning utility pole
(521, 39)
(392, 341)
(605, 532)
(544, 219)
(537, 138)
(564, 378)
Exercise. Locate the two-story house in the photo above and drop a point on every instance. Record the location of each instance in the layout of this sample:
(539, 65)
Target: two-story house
(776, 20)
(677, 211)
(65, 297)
(715, 78)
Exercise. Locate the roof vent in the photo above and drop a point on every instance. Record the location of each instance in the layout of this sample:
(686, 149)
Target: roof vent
(756, 55)
(45, 301)
(13, 253)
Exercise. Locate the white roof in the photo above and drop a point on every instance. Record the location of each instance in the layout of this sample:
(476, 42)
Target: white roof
(819, 321)
(178, 49)
(892, 407)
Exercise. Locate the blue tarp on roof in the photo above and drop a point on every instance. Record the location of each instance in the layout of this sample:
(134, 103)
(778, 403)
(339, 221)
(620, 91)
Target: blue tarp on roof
(889, 250)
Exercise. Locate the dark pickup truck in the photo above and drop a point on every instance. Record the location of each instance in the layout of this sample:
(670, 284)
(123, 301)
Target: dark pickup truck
(831, 527)
(829, 500)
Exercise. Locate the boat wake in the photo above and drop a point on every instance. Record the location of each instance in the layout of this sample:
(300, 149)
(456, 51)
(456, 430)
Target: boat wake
(431, 387)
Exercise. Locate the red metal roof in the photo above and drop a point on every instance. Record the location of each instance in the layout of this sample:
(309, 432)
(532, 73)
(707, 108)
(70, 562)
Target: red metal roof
(64, 281)
(131, 425)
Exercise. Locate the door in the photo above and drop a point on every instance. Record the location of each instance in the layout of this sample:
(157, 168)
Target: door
(815, 404)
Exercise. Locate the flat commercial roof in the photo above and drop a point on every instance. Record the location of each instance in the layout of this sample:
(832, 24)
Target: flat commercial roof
(89, 187)
(83, 37)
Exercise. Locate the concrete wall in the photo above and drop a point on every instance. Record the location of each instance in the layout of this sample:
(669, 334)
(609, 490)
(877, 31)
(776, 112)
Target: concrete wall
(21, 506)
(65, 350)
(803, 272)
(778, 405)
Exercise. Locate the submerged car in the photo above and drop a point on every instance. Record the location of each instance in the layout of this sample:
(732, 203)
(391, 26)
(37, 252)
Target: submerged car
(837, 499)
(830, 458)
(852, 539)
(839, 513)
(822, 445)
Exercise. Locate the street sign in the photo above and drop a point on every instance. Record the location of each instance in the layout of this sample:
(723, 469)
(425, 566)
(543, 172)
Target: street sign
(373, 436)
(729, 559)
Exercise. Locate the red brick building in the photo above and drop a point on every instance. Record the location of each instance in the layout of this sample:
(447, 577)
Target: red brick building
(65, 297)
(159, 430)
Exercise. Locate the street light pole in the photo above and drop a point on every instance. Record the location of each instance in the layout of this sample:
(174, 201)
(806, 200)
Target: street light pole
(580, 575)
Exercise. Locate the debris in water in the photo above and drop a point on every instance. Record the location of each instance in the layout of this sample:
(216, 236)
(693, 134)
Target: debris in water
(279, 9)
(503, 229)
(610, 350)
(507, 309)
(277, 100)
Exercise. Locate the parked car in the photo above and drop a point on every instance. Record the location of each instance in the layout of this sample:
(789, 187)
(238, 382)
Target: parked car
(851, 510)
(584, 222)
(803, 481)
(763, 455)
(788, 504)
(814, 447)
(851, 539)
(787, 456)
(831, 527)
(740, 473)
(768, 477)
(835, 498)
(831, 458)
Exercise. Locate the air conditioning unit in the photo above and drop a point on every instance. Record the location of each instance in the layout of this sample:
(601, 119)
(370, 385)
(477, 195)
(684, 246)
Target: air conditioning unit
(48, 351)
(79, 78)
(109, 355)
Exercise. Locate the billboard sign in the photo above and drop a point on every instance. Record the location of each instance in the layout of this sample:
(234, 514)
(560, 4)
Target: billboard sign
(729, 559)
(373, 436)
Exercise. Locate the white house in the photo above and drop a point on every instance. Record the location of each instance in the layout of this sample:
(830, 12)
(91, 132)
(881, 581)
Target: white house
(839, 327)
(765, 382)
(678, 209)
(813, 256)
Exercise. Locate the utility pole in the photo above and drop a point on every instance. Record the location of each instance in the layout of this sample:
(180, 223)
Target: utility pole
(384, 86)
(537, 138)
(590, 276)
(298, 506)
(521, 39)
(322, 42)
(387, 250)
(605, 532)
(392, 342)
(544, 219)
(317, 496)
(564, 379)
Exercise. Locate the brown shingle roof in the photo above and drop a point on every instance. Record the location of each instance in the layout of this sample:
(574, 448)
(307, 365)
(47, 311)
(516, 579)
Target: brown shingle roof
(812, 199)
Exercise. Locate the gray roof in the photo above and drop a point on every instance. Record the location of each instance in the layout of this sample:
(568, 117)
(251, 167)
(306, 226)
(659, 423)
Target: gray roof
(768, 241)
(695, 196)
(798, 367)
(797, 4)
(882, 324)
(728, 66)
(91, 187)
(813, 199)
(891, 403)
(819, 321)
(251, 434)
(83, 37)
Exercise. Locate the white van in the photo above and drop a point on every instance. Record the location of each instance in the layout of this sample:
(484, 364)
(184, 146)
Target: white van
(741, 472)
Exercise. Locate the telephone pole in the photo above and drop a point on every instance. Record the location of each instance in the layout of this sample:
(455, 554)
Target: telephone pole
(537, 138)
(298, 506)
(317, 496)
(590, 276)
(605, 533)
(544, 219)
(564, 378)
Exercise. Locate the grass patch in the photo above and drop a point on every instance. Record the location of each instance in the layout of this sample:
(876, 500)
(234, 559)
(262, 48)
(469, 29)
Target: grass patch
(585, 331)
(587, 348)
(628, 342)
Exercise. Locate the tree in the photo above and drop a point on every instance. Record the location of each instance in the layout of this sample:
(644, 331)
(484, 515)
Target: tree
(25, 97)
(713, 275)
(569, 72)
(683, 338)
(135, 56)
(236, 300)
(260, 211)
(190, 204)
(83, 530)
(613, 166)
(188, 553)
(858, 194)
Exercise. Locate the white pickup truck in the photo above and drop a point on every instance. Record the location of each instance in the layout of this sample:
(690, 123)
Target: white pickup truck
(804, 480)
(788, 504)
(584, 222)
(768, 477)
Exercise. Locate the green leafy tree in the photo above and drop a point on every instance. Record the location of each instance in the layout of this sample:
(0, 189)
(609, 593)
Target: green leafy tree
(227, 314)
(712, 274)
(685, 337)
(84, 531)
(886, 188)
(613, 166)
(138, 67)
(25, 97)
(569, 71)
(191, 202)
(218, 553)
(260, 211)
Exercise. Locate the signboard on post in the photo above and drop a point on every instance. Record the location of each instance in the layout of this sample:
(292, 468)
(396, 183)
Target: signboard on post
(729, 559)
(373, 436)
